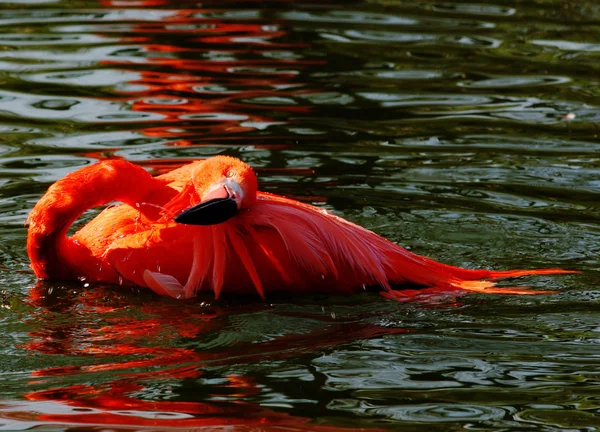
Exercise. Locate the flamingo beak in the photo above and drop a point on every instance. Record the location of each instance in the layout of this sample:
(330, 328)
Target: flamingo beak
(218, 205)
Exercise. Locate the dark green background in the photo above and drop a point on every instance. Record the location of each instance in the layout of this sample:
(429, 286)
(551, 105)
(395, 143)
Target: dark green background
(439, 125)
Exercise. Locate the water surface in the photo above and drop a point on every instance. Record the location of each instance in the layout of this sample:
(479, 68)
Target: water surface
(464, 131)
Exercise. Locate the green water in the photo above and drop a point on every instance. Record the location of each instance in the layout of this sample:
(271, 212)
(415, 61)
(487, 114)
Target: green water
(465, 131)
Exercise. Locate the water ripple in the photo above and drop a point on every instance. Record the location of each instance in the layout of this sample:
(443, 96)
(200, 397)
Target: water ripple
(465, 131)
(85, 110)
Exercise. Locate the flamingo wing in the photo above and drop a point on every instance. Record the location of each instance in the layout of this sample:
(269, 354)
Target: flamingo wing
(277, 244)
(327, 253)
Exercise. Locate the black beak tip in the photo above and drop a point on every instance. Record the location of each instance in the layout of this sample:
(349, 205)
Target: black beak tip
(211, 212)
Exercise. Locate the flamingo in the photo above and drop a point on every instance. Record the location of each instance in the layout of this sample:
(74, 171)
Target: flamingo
(205, 226)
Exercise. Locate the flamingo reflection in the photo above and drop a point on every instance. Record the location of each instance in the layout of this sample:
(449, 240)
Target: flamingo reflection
(210, 76)
(124, 345)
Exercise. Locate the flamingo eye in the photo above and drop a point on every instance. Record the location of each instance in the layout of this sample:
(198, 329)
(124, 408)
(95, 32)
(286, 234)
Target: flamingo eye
(230, 174)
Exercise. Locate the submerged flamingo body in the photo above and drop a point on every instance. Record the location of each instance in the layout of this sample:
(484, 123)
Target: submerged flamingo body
(205, 226)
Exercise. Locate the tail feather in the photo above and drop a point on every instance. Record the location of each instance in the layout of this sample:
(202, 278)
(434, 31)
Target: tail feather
(431, 273)
(489, 287)
(518, 273)
(467, 274)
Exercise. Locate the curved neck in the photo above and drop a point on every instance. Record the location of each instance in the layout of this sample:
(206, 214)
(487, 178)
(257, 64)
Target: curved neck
(68, 198)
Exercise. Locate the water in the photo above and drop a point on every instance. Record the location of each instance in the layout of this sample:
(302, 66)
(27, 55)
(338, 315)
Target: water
(465, 131)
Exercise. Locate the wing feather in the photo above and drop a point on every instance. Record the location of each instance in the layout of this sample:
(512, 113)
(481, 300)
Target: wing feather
(202, 251)
(323, 244)
(240, 248)
(219, 241)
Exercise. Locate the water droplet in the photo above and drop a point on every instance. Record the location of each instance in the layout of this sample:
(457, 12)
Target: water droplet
(333, 315)
(82, 278)
(120, 280)
(85, 285)
(322, 276)
(158, 267)
(50, 290)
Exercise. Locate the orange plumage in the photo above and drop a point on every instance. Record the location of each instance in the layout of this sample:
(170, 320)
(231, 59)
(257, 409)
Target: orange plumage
(205, 226)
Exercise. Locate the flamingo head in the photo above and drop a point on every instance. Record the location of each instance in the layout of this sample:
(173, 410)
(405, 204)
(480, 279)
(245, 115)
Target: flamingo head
(224, 185)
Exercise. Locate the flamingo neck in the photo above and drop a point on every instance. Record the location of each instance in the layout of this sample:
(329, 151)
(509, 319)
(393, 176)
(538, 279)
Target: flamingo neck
(47, 243)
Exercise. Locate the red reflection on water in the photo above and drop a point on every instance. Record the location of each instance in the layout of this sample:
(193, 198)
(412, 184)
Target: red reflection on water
(112, 404)
(132, 3)
(162, 166)
(133, 344)
(216, 77)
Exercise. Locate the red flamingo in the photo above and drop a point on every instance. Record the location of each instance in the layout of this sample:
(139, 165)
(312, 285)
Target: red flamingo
(205, 226)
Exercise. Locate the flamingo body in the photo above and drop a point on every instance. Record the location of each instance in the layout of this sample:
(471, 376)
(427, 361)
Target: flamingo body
(205, 226)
